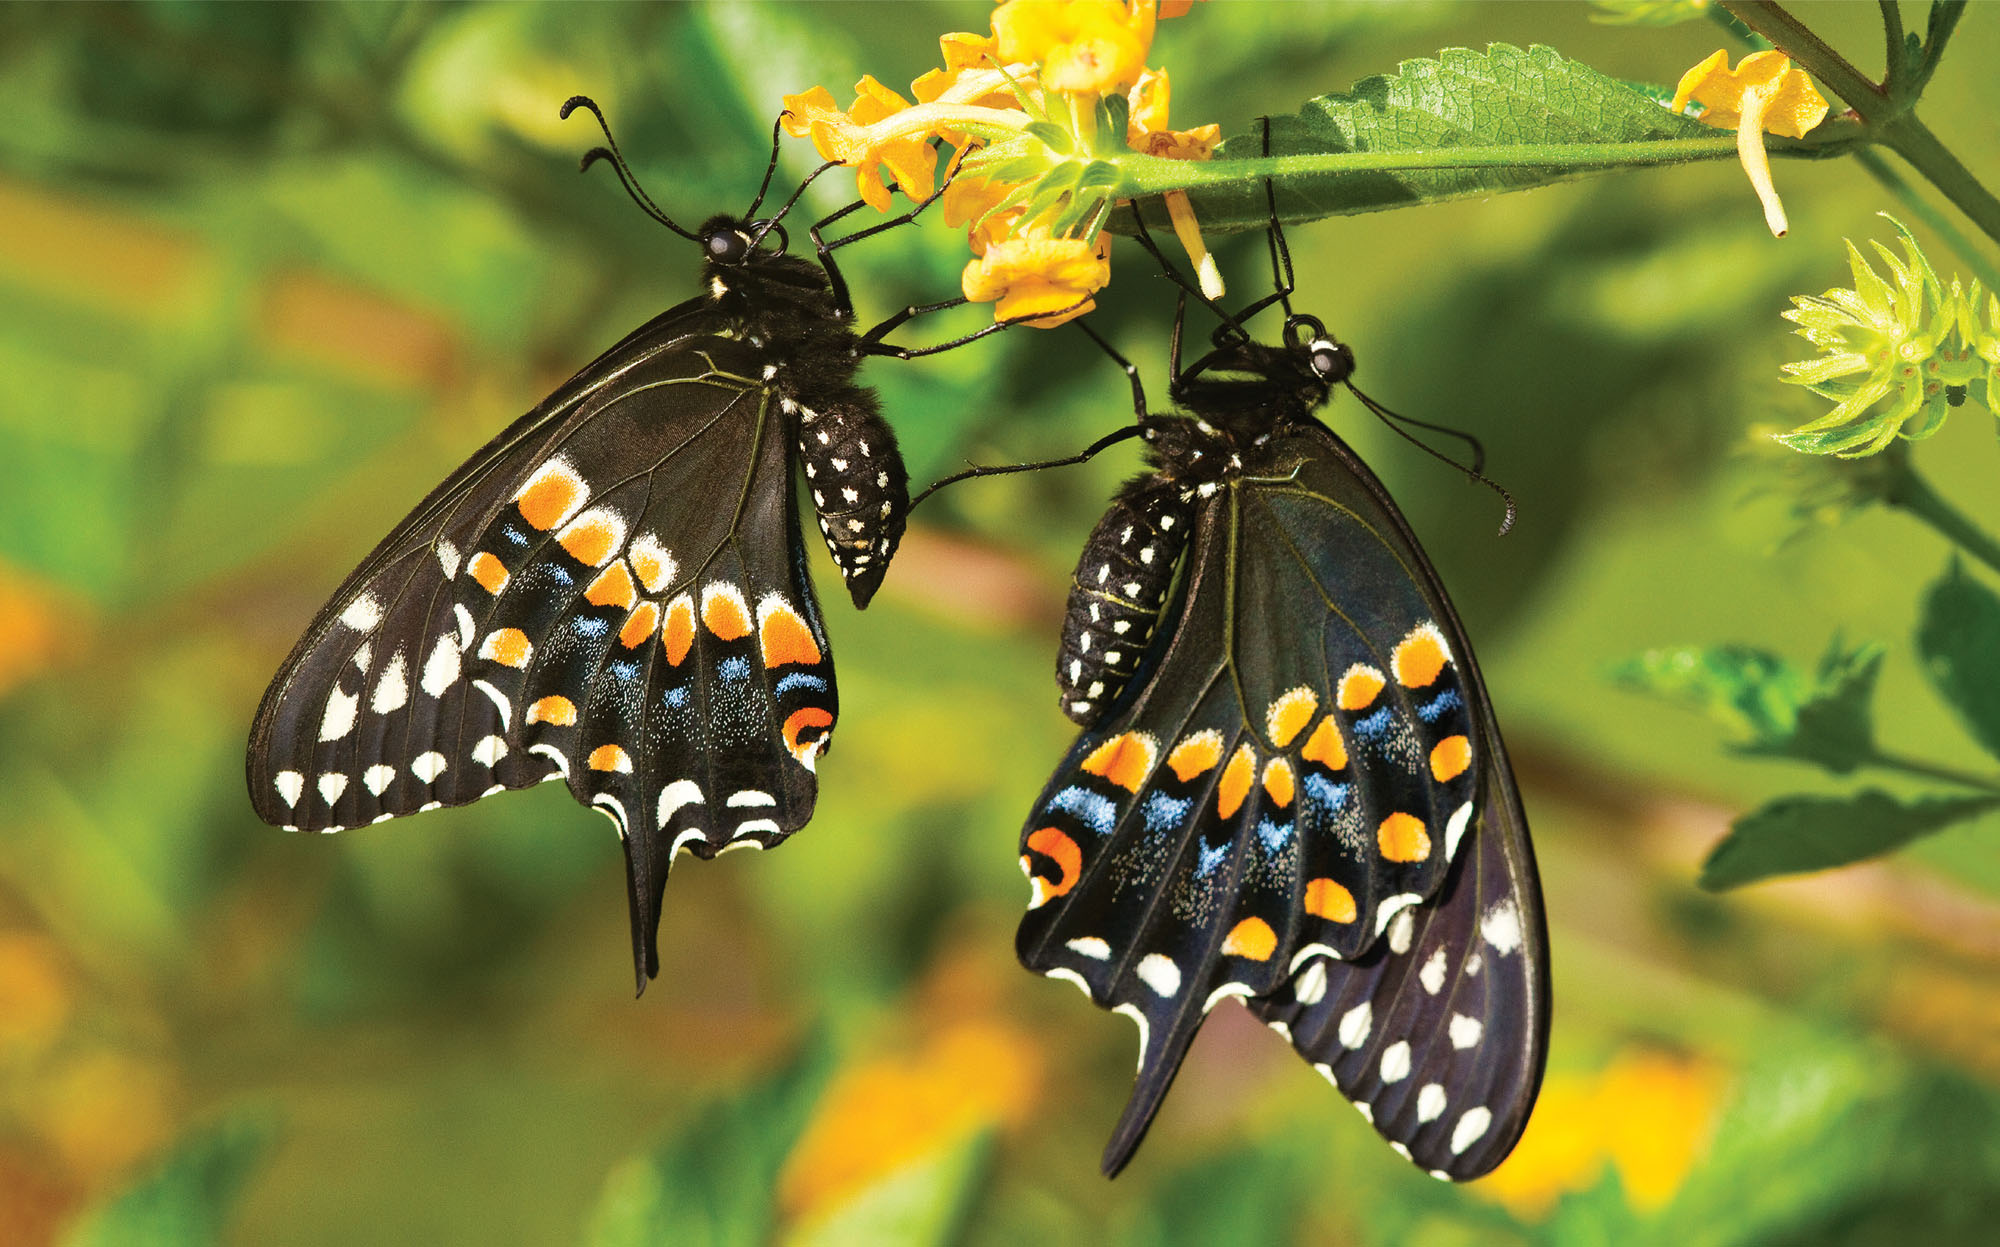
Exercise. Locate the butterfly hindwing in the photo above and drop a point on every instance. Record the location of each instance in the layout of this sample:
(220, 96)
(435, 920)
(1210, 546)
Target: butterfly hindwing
(1283, 790)
(614, 593)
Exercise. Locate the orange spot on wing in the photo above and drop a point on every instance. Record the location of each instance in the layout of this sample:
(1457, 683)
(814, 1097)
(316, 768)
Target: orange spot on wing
(1449, 760)
(785, 638)
(639, 628)
(509, 647)
(559, 711)
(803, 721)
(1358, 688)
(1054, 844)
(678, 635)
(1196, 754)
(590, 539)
(1325, 746)
(1235, 783)
(722, 610)
(1402, 838)
(1252, 938)
(610, 758)
(1289, 715)
(490, 572)
(1280, 782)
(1327, 899)
(550, 495)
(1419, 657)
(613, 587)
(1126, 759)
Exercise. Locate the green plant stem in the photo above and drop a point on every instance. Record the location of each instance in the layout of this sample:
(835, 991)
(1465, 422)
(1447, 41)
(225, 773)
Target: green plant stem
(1931, 770)
(1140, 176)
(1892, 39)
(1922, 209)
(1908, 489)
(1913, 141)
(1791, 37)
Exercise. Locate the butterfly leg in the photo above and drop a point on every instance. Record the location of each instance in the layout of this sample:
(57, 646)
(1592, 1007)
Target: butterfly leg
(1131, 373)
(826, 249)
(872, 343)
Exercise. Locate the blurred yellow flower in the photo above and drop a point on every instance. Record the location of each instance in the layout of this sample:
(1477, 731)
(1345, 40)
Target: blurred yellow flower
(1763, 93)
(1649, 1113)
(885, 1113)
(33, 628)
(1091, 47)
(35, 998)
(1050, 279)
(848, 138)
(104, 1110)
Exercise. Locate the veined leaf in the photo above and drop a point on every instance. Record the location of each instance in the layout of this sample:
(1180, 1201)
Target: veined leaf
(1466, 123)
(1796, 834)
(1959, 640)
(1830, 724)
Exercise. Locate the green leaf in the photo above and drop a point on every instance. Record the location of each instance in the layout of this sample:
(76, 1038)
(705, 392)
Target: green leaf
(710, 1184)
(1467, 123)
(1959, 641)
(1764, 696)
(1796, 834)
(922, 1204)
(186, 1199)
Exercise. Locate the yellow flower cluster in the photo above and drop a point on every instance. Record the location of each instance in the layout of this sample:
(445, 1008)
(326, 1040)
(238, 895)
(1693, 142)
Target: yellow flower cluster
(1044, 61)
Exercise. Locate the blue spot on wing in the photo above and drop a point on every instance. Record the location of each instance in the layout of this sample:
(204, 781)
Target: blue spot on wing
(1274, 835)
(734, 668)
(799, 679)
(676, 698)
(514, 533)
(1325, 795)
(1164, 813)
(1211, 858)
(1375, 725)
(590, 625)
(1437, 707)
(624, 670)
(1094, 810)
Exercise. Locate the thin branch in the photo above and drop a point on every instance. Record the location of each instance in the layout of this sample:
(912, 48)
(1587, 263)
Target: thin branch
(1921, 208)
(1791, 37)
(1892, 38)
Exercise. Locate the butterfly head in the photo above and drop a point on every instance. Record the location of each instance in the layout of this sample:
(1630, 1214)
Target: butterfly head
(744, 261)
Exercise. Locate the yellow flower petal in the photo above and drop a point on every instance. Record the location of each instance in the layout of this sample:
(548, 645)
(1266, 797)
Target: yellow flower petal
(1052, 278)
(1792, 105)
(1083, 46)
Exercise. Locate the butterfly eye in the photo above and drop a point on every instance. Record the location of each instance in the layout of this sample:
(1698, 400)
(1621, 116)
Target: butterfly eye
(727, 246)
(1332, 360)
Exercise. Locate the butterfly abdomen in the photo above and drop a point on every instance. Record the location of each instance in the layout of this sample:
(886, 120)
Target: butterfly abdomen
(858, 484)
(1116, 594)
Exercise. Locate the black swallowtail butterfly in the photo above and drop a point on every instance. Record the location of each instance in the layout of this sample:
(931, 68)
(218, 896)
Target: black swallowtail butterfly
(613, 592)
(1294, 792)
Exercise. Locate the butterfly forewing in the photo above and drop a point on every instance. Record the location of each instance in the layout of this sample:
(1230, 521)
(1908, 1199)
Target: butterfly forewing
(614, 593)
(1284, 789)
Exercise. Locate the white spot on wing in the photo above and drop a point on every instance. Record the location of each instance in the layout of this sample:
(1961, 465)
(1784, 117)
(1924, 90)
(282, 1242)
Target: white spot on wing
(1501, 926)
(1396, 1061)
(1309, 988)
(499, 700)
(441, 668)
(465, 627)
(1159, 972)
(757, 827)
(750, 796)
(447, 559)
(363, 613)
(675, 795)
(1454, 829)
(1355, 1025)
(1402, 930)
(331, 785)
(1430, 1102)
(1394, 905)
(338, 720)
(1470, 1128)
(1066, 975)
(1145, 1029)
(290, 785)
(1090, 946)
(377, 777)
(428, 766)
(489, 751)
(1465, 1031)
(1432, 975)
(393, 689)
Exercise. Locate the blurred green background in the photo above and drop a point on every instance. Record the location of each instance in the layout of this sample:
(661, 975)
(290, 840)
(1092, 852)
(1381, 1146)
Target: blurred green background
(269, 272)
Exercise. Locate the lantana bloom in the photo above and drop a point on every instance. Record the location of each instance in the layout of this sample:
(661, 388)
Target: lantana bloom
(1021, 106)
(1765, 93)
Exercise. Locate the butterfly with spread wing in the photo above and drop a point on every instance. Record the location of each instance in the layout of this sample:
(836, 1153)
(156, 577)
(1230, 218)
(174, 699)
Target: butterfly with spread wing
(613, 592)
(1290, 787)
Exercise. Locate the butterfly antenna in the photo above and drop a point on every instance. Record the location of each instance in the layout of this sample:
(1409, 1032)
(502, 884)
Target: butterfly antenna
(1395, 424)
(776, 128)
(1089, 452)
(618, 163)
